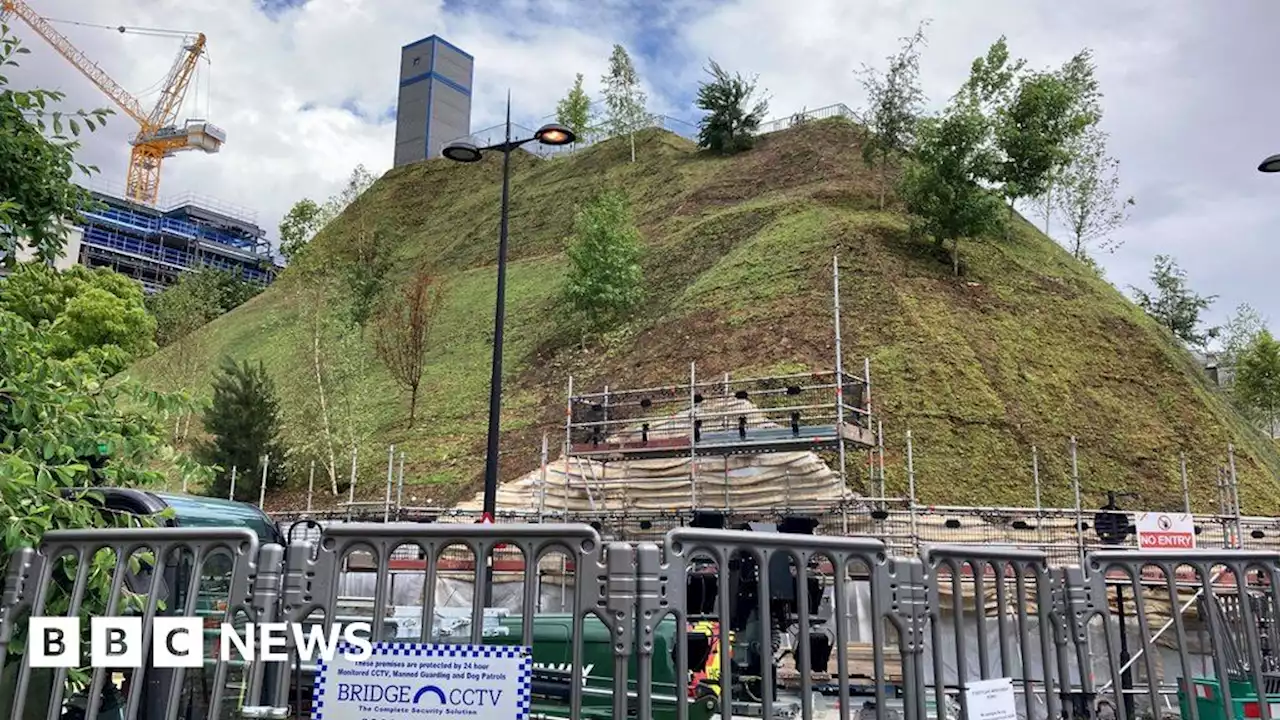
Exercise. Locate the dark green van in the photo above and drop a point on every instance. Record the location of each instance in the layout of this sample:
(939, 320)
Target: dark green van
(179, 510)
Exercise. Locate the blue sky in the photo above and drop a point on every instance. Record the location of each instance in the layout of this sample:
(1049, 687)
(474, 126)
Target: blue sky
(305, 90)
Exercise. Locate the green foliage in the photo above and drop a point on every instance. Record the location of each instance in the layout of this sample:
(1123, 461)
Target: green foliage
(1042, 116)
(1174, 305)
(195, 299)
(82, 308)
(574, 110)
(941, 185)
(1244, 326)
(624, 100)
(895, 105)
(605, 279)
(370, 260)
(1086, 195)
(64, 430)
(731, 118)
(244, 422)
(1257, 379)
(306, 218)
(37, 161)
(298, 226)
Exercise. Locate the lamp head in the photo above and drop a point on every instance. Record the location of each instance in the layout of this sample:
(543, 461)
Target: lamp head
(462, 152)
(1270, 165)
(554, 134)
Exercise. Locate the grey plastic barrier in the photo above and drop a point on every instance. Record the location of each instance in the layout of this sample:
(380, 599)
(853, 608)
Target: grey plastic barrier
(662, 591)
(603, 584)
(1235, 594)
(1024, 652)
(36, 577)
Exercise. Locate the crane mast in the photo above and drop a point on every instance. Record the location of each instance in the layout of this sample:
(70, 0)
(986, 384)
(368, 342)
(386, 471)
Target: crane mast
(158, 135)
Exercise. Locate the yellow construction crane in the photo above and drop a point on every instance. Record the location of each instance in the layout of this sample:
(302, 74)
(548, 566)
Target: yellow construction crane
(158, 134)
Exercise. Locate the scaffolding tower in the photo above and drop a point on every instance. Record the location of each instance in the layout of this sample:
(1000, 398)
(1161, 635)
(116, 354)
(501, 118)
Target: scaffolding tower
(724, 416)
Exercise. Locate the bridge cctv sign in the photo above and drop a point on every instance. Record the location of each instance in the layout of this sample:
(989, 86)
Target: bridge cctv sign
(417, 680)
(1166, 531)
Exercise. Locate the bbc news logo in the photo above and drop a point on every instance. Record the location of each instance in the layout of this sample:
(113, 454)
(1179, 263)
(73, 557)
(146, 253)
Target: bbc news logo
(178, 642)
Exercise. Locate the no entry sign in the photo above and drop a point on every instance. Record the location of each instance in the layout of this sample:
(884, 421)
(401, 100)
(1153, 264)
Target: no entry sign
(1166, 531)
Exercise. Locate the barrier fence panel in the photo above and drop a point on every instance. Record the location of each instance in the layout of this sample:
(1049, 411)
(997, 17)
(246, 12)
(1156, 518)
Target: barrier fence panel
(149, 573)
(707, 623)
(602, 580)
(966, 584)
(1204, 624)
(741, 590)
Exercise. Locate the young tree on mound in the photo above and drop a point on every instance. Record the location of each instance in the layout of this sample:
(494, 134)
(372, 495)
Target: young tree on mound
(307, 218)
(624, 100)
(940, 185)
(574, 110)
(1257, 379)
(402, 333)
(1174, 305)
(244, 422)
(605, 279)
(895, 105)
(1087, 196)
(731, 118)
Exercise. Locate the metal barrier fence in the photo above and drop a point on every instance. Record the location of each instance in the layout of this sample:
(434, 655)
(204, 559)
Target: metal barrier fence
(705, 623)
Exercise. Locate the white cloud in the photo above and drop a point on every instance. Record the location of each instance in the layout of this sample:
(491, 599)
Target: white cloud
(1183, 81)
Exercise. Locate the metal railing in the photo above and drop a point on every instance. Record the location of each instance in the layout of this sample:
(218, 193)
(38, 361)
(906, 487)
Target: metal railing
(701, 623)
(685, 129)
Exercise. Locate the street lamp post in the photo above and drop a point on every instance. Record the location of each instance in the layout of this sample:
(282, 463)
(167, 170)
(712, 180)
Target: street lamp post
(1270, 165)
(460, 151)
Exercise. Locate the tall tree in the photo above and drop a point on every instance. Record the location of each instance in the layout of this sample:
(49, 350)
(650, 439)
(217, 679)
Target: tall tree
(605, 279)
(403, 331)
(574, 110)
(371, 258)
(1174, 305)
(1244, 326)
(1257, 379)
(624, 100)
(895, 104)
(941, 184)
(1036, 116)
(196, 299)
(307, 218)
(298, 226)
(82, 308)
(38, 200)
(244, 424)
(1086, 195)
(732, 117)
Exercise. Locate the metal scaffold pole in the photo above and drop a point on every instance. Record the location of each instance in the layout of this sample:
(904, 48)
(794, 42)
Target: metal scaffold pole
(693, 438)
(1186, 488)
(911, 490)
(311, 486)
(835, 296)
(400, 487)
(262, 490)
(542, 491)
(391, 467)
(1075, 484)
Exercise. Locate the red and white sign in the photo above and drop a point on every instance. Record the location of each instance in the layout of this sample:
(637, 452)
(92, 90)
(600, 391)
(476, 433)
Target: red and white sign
(1166, 531)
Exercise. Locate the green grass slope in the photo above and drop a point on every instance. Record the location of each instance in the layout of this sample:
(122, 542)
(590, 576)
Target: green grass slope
(1028, 348)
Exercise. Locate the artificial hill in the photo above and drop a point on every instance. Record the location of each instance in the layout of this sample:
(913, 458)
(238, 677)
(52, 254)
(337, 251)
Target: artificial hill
(1028, 347)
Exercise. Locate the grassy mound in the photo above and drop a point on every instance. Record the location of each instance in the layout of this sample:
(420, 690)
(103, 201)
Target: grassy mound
(1028, 347)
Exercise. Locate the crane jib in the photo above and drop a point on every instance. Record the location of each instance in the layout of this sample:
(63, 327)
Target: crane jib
(159, 135)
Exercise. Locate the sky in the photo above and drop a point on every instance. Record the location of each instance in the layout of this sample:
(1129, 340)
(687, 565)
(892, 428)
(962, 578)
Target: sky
(306, 90)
